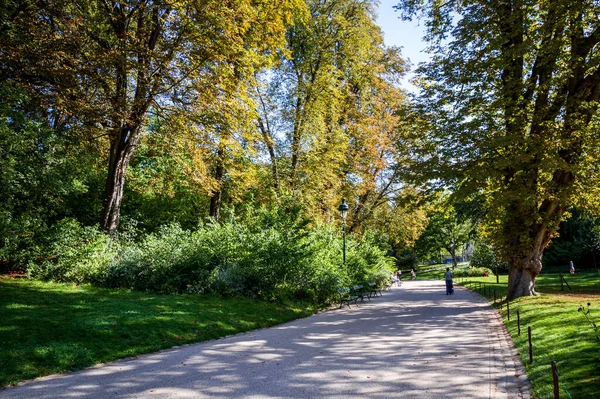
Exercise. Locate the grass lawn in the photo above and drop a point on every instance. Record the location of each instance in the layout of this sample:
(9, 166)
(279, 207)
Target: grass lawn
(48, 328)
(436, 272)
(559, 331)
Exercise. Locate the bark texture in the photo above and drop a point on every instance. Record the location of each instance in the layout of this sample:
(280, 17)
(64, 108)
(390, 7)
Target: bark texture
(121, 150)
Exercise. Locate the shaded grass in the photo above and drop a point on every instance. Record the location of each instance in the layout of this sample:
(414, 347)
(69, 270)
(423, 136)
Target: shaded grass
(48, 328)
(559, 332)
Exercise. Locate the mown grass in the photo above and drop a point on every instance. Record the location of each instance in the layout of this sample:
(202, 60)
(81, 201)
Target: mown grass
(436, 272)
(559, 332)
(48, 328)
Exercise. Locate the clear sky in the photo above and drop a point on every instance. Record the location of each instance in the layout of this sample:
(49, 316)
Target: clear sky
(405, 34)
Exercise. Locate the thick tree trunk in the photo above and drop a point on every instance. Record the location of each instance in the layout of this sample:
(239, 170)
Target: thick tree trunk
(521, 277)
(121, 149)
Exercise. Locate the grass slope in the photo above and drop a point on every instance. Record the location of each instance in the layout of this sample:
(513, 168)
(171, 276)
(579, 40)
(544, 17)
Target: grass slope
(48, 328)
(559, 332)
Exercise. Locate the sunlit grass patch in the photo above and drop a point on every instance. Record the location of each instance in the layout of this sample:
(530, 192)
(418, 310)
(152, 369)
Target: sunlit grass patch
(559, 332)
(48, 328)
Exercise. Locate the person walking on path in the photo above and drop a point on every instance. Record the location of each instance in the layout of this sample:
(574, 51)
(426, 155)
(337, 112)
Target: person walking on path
(449, 285)
(571, 267)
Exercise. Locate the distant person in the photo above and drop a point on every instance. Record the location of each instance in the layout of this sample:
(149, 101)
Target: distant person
(413, 275)
(399, 275)
(395, 281)
(571, 268)
(449, 285)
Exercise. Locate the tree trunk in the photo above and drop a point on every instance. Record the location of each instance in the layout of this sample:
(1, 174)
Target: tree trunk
(121, 148)
(521, 277)
(215, 204)
(265, 129)
(215, 200)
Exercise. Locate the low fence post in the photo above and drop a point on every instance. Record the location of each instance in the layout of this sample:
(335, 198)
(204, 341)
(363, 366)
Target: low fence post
(530, 346)
(561, 281)
(555, 380)
(508, 308)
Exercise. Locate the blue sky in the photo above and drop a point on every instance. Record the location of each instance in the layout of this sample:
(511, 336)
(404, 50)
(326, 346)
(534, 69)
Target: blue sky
(405, 34)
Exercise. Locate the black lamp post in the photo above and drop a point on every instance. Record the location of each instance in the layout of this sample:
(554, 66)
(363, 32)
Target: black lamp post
(344, 210)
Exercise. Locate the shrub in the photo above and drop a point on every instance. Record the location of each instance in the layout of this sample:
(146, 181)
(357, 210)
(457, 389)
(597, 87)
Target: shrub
(75, 253)
(473, 272)
(273, 255)
(485, 256)
(168, 261)
(407, 260)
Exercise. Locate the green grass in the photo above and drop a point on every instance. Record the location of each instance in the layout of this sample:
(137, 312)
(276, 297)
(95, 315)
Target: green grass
(48, 328)
(559, 331)
(436, 272)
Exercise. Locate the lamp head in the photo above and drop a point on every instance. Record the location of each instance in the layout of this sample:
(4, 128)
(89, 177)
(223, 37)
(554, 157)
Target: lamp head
(343, 208)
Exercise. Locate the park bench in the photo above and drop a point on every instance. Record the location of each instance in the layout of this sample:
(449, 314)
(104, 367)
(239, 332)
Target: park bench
(346, 296)
(374, 290)
(360, 292)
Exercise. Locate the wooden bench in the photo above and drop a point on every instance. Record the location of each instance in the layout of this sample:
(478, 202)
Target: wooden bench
(346, 296)
(374, 290)
(360, 292)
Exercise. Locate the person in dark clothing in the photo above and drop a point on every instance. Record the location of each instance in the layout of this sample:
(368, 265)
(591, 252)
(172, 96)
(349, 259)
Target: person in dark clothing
(449, 285)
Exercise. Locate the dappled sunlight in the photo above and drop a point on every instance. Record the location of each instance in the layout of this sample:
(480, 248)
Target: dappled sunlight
(413, 342)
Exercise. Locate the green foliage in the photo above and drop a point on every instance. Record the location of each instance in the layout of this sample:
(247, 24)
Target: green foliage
(472, 272)
(486, 256)
(509, 108)
(76, 253)
(578, 241)
(45, 175)
(447, 231)
(407, 260)
(272, 255)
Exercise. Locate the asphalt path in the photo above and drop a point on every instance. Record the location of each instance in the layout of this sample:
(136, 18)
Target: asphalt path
(412, 342)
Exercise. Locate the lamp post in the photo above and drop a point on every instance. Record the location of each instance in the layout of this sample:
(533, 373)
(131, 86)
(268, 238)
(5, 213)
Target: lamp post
(343, 208)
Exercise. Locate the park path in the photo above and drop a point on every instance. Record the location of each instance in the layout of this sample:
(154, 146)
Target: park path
(413, 342)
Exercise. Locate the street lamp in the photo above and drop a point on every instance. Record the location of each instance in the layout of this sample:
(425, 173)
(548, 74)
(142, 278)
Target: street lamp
(343, 208)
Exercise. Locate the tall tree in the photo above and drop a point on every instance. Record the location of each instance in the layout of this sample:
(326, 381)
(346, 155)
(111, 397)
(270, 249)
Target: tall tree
(329, 113)
(106, 65)
(512, 96)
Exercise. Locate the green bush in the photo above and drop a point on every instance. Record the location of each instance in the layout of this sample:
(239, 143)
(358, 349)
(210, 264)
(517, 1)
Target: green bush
(81, 254)
(472, 272)
(273, 255)
(485, 256)
(407, 260)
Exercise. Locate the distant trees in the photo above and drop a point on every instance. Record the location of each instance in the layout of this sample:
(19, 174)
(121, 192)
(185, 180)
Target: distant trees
(447, 230)
(511, 97)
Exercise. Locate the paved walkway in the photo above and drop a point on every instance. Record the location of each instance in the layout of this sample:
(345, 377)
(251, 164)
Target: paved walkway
(414, 342)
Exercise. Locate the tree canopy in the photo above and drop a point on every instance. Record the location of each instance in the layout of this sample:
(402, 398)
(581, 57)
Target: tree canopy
(511, 103)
